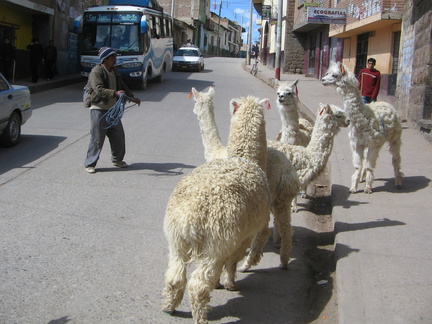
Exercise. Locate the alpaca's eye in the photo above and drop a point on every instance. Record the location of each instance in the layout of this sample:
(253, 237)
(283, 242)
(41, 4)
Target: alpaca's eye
(338, 116)
(335, 75)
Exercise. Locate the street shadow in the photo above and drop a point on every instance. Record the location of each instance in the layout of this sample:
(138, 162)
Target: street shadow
(409, 184)
(29, 149)
(343, 251)
(270, 295)
(340, 227)
(340, 197)
(62, 320)
(160, 169)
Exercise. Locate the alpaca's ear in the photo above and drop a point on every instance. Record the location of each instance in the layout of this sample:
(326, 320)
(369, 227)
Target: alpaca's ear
(342, 68)
(193, 92)
(295, 82)
(233, 106)
(211, 91)
(324, 109)
(265, 103)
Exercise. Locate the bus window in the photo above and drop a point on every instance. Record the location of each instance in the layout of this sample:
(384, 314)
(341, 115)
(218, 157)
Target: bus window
(155, 30)
(167, 25)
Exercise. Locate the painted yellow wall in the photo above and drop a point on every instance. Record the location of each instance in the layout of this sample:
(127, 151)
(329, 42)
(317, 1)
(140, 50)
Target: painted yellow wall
(380, 47)
(23, 20)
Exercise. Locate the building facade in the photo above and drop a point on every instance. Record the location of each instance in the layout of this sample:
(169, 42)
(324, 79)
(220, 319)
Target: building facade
(20, 21)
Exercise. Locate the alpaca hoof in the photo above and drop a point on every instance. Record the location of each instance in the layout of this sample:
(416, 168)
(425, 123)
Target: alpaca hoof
(368, 191)
(219, 286)
(283, 266)
(168, 311)
(245, 267)
(399, 187)
(352, 191)
(231, 287)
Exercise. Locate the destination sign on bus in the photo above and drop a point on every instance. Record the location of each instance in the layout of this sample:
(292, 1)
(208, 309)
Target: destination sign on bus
(105, 18)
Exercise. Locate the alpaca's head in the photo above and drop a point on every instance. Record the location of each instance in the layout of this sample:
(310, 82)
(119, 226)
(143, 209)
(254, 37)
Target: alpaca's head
(335, 73)
(333, 116)
(286, 92)
(203, 101)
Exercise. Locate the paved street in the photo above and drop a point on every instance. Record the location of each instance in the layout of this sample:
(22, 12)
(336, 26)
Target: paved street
(89, 248)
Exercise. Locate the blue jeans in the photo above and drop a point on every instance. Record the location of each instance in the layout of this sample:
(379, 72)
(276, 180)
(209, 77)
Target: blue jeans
(367, 99)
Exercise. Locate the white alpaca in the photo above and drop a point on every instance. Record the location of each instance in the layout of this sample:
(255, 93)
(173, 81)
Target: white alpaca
(371, 126)
(282, 178)
(214, 212)
(311, 160)
(295, 130)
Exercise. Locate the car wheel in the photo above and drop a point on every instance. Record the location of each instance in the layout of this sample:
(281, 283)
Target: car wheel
(12, 132)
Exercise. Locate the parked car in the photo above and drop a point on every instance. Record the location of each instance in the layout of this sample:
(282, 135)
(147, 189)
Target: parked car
(188, 58)
(15, 110)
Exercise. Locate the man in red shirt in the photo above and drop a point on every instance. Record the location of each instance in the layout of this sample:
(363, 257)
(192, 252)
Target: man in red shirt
(369, 81)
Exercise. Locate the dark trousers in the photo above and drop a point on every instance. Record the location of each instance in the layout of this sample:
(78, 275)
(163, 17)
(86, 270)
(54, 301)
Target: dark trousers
(115, 135)
(34, 68)
(49, 68)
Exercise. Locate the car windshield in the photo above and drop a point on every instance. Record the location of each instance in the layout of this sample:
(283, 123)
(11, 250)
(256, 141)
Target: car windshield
(186, 52)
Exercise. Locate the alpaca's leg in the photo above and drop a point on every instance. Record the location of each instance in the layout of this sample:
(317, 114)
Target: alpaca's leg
(363, 169)
(276, 233)
(394, 149)
(370, 164)
(175, 283)
(231, 264)
(256, 249)
(294, 207)
(357, 154)
(282, 214)
(200, 285)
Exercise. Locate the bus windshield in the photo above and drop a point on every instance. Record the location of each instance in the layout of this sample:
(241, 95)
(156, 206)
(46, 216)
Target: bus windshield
(117, 30)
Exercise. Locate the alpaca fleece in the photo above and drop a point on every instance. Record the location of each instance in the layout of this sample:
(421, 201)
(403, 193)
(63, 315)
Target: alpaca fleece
(311, 160)
(295, 130)
(282, 178)
(371, 126)
(214, 213)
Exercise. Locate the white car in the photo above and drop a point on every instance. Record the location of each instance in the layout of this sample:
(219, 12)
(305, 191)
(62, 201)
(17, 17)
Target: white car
(15, 110)
(188, 58)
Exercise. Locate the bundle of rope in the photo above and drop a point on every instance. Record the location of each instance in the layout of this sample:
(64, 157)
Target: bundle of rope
(115, 113)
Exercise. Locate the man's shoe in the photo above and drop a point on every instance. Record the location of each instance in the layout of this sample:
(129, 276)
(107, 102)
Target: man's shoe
(120, 164)
(90, 169)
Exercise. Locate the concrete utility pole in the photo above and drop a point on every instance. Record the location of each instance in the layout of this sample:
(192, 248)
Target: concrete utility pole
(278, 40)
(218, 38)
(249, 47)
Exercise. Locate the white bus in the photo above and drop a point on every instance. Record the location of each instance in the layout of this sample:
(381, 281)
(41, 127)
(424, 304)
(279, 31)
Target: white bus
(140, 32)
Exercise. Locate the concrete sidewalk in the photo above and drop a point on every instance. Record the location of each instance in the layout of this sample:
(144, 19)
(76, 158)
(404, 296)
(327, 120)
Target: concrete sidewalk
(383, 240)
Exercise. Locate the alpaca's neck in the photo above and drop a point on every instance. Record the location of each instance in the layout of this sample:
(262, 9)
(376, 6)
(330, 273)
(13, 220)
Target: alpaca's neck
(209, 133)
(351, 95)
(321, 143)
(355, 109)
(290, 122)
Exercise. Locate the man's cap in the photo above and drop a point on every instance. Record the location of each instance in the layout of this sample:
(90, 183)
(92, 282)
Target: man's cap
(105, 52)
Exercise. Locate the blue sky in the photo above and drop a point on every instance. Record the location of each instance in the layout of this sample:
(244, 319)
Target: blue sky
(235, 11)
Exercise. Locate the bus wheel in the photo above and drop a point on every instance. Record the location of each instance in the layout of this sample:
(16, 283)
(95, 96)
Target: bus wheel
(160, 78)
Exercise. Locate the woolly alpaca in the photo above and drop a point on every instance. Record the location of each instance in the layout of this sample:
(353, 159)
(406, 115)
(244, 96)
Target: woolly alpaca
(214, 212)
(282, 178)
(371, 126)
(310, 161)
(295, 130)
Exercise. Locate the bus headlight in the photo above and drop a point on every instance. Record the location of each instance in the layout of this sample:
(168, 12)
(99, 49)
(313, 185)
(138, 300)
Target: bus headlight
(130, 65)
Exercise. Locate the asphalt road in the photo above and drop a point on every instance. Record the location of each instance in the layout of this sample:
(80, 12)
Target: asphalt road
(90, 248)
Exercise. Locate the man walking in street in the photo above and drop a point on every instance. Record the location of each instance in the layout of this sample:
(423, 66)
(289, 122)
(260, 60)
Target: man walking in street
(369, 82)
(106, 87)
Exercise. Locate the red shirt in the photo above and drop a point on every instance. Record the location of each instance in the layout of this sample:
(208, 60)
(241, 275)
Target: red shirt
(369, 82)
